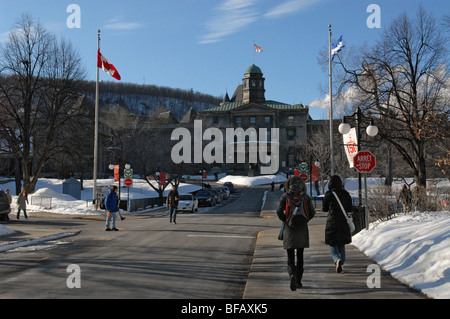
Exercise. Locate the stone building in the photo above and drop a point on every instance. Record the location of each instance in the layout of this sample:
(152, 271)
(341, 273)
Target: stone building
(249, 108)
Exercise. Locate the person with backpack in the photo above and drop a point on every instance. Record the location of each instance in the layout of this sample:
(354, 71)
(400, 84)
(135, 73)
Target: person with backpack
(337, 230)
(295, 210)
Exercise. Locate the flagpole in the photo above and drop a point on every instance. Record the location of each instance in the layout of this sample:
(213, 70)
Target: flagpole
(94, 200)
(254, 49)
(330, 111)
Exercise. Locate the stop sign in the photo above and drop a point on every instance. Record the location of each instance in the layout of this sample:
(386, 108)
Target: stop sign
(364, 162)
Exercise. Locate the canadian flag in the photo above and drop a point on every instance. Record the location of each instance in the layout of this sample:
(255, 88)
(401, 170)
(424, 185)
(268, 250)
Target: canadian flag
(106, 66)
(258, 48)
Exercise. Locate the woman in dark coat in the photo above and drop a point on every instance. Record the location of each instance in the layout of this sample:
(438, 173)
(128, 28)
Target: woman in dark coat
(337, 231)
(295, 233)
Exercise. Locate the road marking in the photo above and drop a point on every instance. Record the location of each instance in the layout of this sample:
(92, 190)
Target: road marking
(222, 236)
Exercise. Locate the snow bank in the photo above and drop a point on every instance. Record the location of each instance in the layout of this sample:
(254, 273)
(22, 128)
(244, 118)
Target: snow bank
(6, 231)
(253, 181)
(414, 248)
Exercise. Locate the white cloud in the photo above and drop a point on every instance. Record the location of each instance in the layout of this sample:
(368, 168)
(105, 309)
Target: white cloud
(231, 16)
(115, 24)
(289, 7)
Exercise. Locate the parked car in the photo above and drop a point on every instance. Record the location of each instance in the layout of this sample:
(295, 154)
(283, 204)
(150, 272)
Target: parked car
(205, 198)
(188, 202)
(230, 186)
(225, 191)
(4, 206)
(218, 193)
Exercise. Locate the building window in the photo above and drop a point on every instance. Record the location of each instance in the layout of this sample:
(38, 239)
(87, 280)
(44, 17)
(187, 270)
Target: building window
(253, 120)
(215, 120)
(291, 134)
(267, 119)
(238, 120)
(290, 119)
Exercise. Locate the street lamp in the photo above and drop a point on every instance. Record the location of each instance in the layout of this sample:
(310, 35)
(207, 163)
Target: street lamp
(372, 131)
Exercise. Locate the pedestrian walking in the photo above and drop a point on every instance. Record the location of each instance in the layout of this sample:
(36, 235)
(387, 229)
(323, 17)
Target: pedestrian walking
(111, 207)
(172, 204)
(272, 186)
(22, 201)
(295, 210)
(337, 231)
(8, 194)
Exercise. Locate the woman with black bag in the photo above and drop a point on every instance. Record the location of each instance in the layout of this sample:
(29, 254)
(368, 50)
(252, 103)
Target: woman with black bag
(337, 230)
(295, 210)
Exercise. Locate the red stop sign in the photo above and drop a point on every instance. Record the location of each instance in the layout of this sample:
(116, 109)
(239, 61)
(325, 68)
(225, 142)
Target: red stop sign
(128, 182)
(364, 162)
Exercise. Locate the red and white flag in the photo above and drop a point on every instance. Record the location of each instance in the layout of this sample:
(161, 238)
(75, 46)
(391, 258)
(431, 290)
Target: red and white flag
(258, 48)
(106, 66)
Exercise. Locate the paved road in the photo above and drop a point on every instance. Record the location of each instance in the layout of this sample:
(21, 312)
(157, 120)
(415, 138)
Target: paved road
(206, 255)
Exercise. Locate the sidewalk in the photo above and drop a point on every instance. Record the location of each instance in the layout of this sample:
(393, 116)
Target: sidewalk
(268, 278)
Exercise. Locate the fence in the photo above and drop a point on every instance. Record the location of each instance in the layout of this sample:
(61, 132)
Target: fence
(145, 203)
(42, 201)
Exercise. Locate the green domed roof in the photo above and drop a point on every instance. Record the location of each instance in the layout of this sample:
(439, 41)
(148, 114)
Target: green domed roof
(253, 69)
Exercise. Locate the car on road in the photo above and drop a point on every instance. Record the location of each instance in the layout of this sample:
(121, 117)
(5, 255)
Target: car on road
(205, 198)
(230, 186)
(5, 209)
(218, 193)
(188, 202)
(225, 191)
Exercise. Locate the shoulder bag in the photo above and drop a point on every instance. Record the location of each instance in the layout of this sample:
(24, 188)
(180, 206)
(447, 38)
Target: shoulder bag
(351, 225)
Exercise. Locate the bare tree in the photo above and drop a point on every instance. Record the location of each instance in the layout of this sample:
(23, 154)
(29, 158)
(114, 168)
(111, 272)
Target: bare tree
(40, 79)
(404, 82)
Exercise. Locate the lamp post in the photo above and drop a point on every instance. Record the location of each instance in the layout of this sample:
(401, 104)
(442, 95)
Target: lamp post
(372, 131)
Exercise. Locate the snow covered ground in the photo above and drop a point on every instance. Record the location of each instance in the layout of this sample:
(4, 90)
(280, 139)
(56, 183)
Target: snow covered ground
(414, 247)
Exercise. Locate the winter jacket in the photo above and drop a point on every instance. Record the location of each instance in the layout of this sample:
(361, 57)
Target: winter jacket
(337, 231)
(111, 201)
(295, 237)
(172, 199)
(22, 201)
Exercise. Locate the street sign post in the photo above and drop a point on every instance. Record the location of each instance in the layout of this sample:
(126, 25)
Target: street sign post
(364, 162)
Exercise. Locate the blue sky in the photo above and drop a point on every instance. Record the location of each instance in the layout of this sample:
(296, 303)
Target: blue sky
(207, 45)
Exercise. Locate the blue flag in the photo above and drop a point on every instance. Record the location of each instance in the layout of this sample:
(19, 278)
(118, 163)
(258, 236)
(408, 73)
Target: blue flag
(336, 47)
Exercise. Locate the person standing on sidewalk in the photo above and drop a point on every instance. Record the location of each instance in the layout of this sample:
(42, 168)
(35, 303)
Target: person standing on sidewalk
(112, 207)
(337, 231)
(172, 204)
(22, 201)
(295, 210)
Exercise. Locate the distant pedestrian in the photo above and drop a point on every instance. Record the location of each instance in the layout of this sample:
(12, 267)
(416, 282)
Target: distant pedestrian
(405, 196)
(112, 207)
(272, 186)
(295, 210)
(22, 201)
(8, 194)
(172, 204)
(337, 231)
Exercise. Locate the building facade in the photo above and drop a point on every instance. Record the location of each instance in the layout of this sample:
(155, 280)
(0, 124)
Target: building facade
(248, 108)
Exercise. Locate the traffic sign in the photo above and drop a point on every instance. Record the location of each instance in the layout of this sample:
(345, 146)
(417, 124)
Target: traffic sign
(128, 173)
(304, 177)
(364, 162)
(303, 168)
(128, 182)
